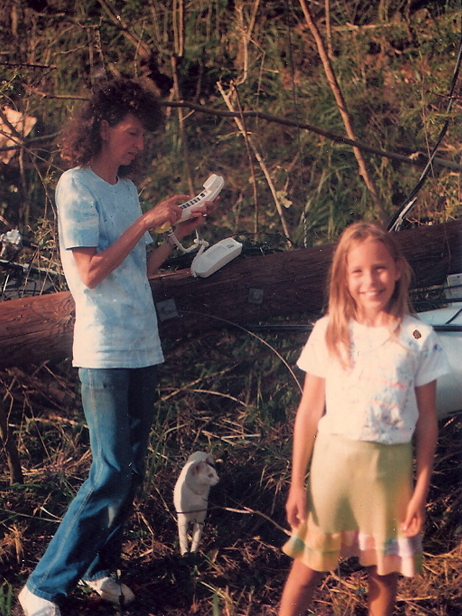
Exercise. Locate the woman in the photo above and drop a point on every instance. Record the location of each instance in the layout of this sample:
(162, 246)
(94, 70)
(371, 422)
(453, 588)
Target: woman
(103, 237)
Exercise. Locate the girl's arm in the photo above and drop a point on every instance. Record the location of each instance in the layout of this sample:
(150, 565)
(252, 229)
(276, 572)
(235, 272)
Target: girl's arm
(426, 435)
(94, 267)
(309, 413)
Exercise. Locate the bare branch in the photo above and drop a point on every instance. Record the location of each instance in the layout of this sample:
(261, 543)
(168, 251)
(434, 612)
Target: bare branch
(417, 159)
(343, 109)
(242, 129)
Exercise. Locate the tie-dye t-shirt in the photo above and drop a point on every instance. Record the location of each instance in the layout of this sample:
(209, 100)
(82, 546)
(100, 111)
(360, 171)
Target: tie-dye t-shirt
(116, 322)
(374, 399)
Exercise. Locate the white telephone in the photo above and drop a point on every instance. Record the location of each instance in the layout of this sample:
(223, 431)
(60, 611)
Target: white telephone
(212, 187)
(213, 259)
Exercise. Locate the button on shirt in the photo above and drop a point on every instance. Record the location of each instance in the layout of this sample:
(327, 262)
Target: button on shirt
(116, 322)
(374, 399)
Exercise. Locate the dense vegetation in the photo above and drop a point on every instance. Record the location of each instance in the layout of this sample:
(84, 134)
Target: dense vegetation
(260, 110)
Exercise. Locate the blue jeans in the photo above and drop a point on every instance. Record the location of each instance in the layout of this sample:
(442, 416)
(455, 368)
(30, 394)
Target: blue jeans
(118, 406)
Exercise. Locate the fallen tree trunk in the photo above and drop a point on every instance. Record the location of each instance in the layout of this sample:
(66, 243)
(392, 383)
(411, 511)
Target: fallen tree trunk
(245, 291)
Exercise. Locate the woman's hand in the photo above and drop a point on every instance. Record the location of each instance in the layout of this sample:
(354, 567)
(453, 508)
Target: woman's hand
(197, 218)
(296, 506)
(183, 229)
(167, 211)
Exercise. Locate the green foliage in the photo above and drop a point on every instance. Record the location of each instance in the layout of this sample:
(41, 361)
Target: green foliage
(6, 599)
(393, 62)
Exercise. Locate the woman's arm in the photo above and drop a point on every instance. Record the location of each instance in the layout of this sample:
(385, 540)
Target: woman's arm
(309, 413)
(162, 252)
(426, 435)
(94, 267)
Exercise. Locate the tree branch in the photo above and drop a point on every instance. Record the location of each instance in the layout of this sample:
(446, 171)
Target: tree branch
(241, 126)
(343, 109)
(417, 159)
(12, 455)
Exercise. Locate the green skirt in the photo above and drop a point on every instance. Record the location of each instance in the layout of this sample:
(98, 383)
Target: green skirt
(357, 496)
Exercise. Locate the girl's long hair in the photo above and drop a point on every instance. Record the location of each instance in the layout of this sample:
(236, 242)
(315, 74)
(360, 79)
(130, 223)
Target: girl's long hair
(80, 139)
(342, 307)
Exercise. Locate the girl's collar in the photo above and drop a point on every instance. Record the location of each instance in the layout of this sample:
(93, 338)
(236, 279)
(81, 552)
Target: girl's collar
(366, 338)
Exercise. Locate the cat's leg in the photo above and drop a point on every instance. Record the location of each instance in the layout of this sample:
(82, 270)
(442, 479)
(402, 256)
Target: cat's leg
(183, 533)
(197, 532)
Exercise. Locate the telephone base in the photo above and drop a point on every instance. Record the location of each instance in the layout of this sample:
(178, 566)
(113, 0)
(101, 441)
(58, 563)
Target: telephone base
(214, 258)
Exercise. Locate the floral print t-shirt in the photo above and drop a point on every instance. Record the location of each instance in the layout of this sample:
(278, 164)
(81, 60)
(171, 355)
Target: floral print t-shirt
(374, 398)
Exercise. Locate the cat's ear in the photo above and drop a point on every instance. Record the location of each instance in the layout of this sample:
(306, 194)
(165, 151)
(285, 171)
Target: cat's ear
(210, 460)
(197, 467)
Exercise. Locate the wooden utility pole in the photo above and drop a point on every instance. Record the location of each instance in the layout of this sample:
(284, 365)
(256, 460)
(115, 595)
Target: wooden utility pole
(247, 290)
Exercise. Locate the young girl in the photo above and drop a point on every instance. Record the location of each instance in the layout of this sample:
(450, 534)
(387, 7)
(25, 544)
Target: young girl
(103, 237)
(370, 385)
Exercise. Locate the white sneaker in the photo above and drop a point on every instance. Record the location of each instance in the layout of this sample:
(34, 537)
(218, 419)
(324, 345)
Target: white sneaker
(36, 606)
(111, 590)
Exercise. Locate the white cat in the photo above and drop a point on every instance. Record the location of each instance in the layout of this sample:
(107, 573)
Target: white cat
(191, 497)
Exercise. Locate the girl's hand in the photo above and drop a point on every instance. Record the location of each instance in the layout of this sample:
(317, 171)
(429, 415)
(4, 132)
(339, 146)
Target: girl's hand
(296, 506)
(426, 434)
(167, 211)
(415, 518)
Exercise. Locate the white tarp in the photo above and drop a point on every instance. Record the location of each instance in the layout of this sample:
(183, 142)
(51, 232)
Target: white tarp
(449, 389)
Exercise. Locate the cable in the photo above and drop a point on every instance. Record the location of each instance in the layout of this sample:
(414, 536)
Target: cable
(398, 218)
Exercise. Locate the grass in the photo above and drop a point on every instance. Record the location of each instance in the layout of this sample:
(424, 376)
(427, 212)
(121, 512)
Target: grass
(238, 401)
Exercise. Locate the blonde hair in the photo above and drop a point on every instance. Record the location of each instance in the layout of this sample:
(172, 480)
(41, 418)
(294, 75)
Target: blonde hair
(342, 307)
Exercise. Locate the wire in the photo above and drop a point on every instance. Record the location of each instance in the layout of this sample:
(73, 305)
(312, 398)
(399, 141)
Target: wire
(398, 218)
